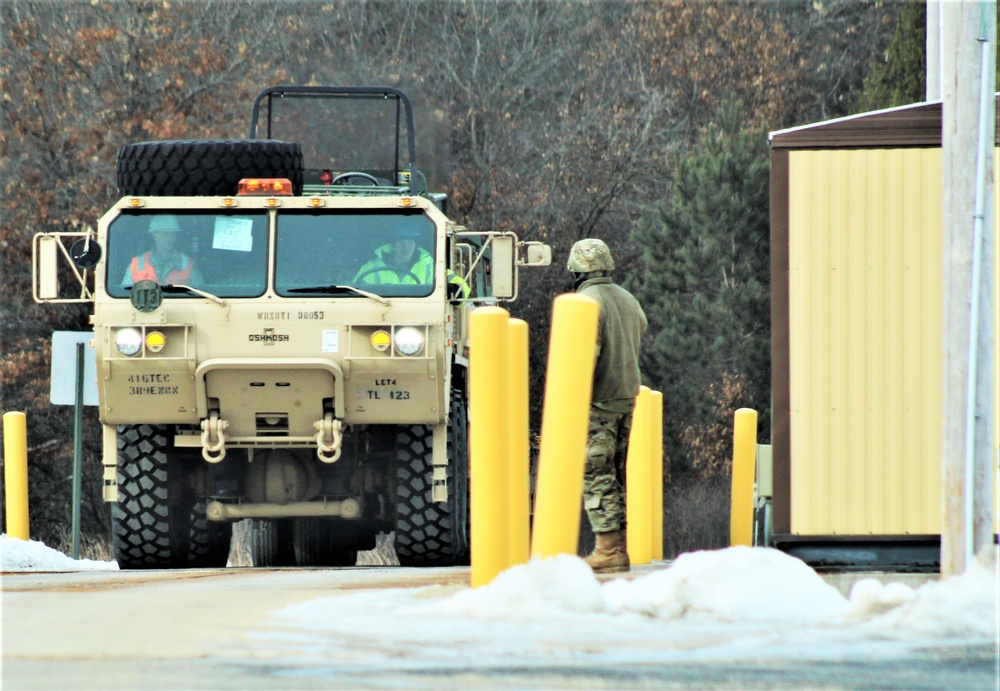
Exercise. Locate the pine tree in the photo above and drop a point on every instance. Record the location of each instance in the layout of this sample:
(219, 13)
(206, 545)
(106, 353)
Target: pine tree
(705, 288)
(901, 77)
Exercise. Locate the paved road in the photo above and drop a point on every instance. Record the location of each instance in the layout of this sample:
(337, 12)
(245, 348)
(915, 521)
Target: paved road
(202, 629)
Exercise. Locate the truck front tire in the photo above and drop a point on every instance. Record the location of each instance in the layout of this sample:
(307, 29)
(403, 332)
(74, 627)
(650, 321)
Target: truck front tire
(430, 533)
(159, 520)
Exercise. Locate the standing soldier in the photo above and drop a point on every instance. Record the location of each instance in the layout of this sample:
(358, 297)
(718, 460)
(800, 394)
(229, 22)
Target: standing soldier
(621, 324)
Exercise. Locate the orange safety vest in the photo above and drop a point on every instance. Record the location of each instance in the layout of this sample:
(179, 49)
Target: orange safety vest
(142, 270)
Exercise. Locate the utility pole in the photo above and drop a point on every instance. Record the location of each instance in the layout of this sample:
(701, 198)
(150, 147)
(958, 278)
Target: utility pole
(968, 59)
(933, 51)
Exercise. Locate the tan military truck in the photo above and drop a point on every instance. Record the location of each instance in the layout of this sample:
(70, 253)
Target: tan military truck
(282, 336)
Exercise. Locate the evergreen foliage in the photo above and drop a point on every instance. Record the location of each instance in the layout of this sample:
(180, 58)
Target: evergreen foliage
(901, 77)
(705, 286)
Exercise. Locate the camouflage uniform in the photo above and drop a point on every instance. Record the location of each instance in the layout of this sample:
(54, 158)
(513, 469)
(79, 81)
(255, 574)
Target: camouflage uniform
(604, 472)
(616, 384)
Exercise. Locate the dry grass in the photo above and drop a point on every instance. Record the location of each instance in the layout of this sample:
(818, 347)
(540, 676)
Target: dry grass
(96, 548)
(696, 515)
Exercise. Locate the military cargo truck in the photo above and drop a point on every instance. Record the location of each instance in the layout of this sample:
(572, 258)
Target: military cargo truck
(281, 329)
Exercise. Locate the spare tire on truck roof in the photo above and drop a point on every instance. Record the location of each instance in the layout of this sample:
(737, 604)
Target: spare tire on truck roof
(204, 168)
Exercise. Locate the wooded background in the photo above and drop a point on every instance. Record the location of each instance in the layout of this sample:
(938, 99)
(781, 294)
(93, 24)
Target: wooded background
(641, 123)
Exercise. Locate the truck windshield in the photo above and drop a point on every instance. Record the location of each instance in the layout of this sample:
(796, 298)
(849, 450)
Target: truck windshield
(224, 254)
(386, 252)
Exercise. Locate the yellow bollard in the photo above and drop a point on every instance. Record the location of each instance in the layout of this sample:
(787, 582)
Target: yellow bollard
(565, 418)
(488, 442)
(15, 473)
(517, 422)
(656, 451)
(638, 478)
(744, 457)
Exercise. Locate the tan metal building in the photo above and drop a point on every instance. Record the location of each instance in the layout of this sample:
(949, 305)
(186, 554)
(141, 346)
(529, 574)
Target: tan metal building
(856, 337)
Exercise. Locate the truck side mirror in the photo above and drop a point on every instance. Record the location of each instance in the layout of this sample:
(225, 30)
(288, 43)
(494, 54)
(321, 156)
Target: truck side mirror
(85, 253)
(50, 256)
(534, 254)
(47, 263)
(502, 269)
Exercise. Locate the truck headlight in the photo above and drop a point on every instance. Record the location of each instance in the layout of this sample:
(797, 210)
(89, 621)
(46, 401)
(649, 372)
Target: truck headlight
(128, 342)
(409, 341)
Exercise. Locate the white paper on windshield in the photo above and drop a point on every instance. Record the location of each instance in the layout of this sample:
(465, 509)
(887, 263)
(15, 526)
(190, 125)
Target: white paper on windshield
(331, 341)
(233, 234)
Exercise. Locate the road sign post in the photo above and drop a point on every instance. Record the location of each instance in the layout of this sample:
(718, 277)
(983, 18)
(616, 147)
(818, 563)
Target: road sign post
(81, 380)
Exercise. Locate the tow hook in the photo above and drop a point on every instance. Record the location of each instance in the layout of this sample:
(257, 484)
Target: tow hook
(213, 438)
(328, 438)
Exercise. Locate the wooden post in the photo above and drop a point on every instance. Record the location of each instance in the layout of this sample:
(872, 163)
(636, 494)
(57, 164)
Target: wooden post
(968, 47)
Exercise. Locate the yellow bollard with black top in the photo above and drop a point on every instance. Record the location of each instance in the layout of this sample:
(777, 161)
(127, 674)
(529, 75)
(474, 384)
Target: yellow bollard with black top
(15, 473)
(565, 417)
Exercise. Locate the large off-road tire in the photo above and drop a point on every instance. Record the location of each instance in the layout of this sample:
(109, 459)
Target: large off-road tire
(159, 520)
(317, 543)
(198, 168)
(430, 533)
(271, 543)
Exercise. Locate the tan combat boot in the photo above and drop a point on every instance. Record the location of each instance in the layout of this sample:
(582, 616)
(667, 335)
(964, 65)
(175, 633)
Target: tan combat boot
(610, 554)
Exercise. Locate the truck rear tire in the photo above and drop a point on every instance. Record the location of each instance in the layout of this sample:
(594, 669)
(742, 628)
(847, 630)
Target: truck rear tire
(159, 520)
(430, 533)
(204, 168)
(271, 543)
(316, 543)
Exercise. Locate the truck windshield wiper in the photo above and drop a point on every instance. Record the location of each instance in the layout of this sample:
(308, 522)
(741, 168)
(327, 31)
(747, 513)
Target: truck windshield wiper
(340, 290)
(193, 291)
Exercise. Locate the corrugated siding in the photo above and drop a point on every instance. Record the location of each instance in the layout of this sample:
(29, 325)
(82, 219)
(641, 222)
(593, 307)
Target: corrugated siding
(865, 341)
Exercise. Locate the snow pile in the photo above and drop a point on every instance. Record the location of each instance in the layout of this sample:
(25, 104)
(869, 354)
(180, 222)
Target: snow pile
(540, 590)
(965, 605)
(32, 555)
(736, 603)
(740, 584)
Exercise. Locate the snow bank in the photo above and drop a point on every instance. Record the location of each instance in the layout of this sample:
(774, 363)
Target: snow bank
(729, 604)
(32, 555)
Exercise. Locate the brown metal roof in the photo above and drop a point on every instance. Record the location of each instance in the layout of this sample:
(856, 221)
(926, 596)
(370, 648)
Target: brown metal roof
(917, 125)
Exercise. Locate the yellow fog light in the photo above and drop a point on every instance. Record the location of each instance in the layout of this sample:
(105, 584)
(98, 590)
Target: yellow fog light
(381, 341)
(155, 341)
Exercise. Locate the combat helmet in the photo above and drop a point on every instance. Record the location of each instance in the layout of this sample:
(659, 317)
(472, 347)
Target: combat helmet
(588, 255)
